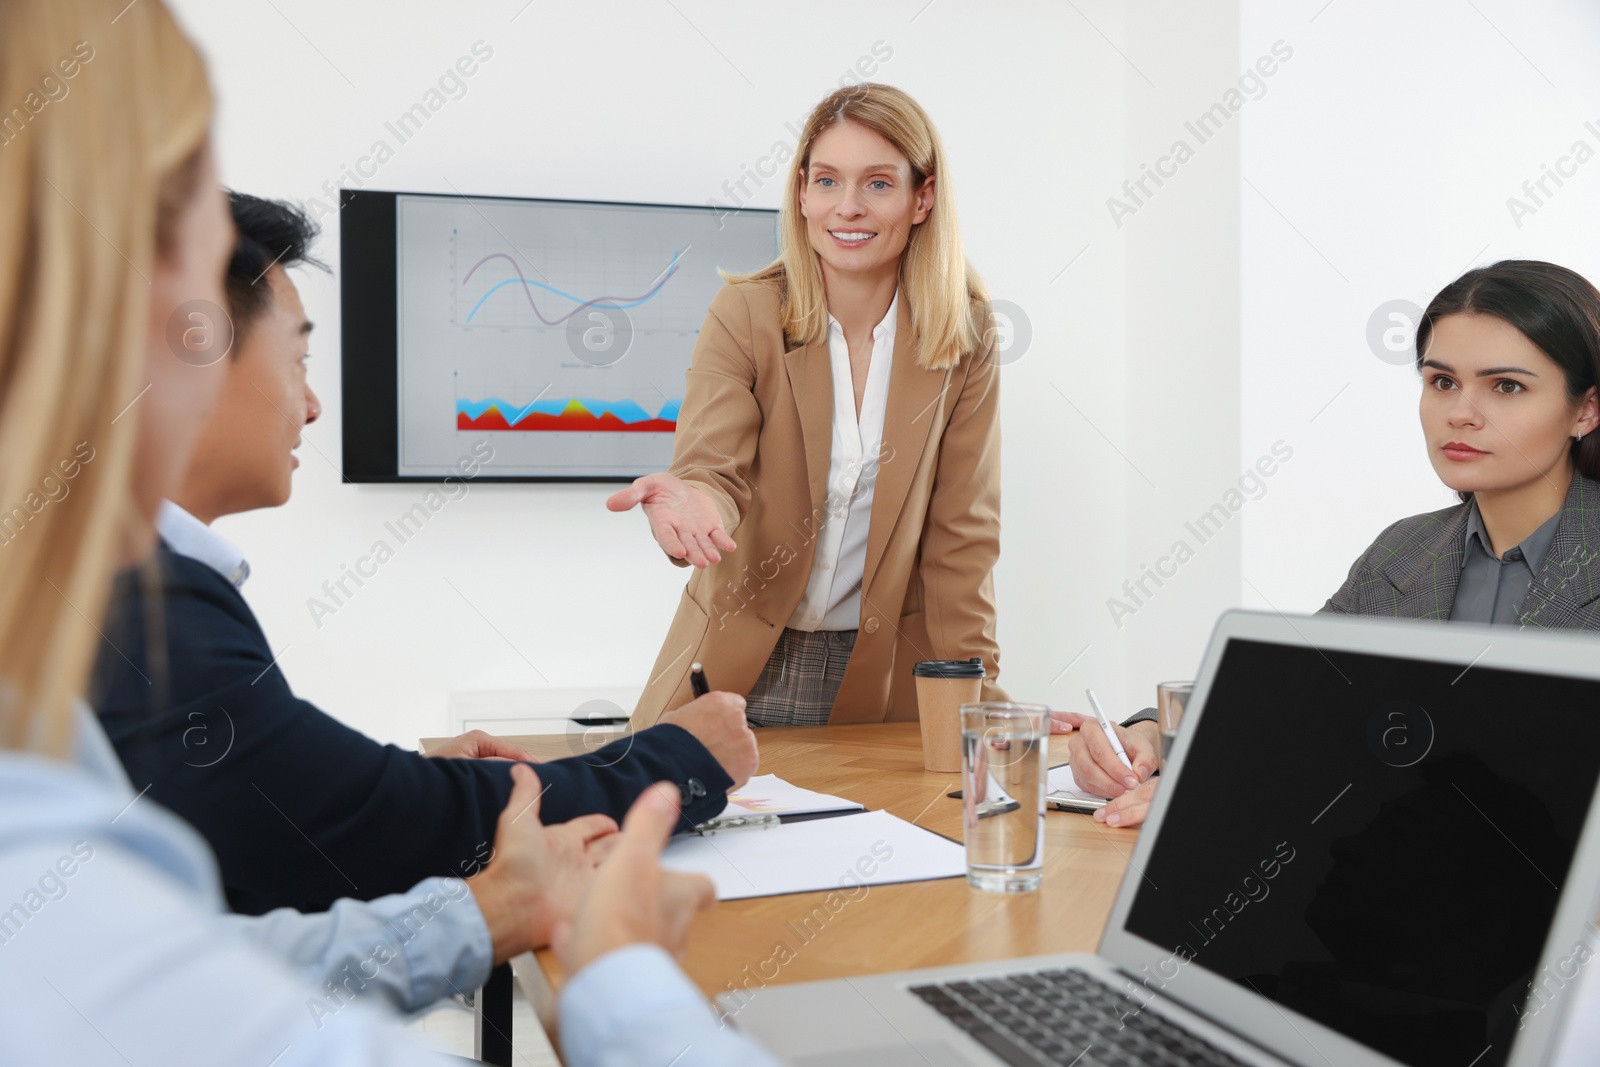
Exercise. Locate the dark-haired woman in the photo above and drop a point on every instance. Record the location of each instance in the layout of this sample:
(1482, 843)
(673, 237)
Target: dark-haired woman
(1510, 360)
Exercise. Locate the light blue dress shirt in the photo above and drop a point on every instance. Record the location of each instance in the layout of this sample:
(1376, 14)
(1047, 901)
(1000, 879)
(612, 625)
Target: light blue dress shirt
(188, 536)
(635, 1008)
(115, 949)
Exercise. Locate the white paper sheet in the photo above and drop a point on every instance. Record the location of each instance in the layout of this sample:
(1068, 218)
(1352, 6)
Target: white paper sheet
(1062, 785)
(846, 851)
(768, 794)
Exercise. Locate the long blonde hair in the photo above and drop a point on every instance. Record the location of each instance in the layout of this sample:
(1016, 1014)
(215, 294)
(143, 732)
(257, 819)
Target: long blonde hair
(97, 167)
(948, 301)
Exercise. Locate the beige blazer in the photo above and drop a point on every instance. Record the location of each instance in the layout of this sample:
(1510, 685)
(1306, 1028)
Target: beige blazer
(755, 433)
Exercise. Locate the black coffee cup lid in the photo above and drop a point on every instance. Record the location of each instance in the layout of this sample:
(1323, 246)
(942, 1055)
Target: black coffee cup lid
(949, 668)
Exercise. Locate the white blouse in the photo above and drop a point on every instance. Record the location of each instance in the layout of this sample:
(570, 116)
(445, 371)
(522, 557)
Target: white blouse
(832, 599)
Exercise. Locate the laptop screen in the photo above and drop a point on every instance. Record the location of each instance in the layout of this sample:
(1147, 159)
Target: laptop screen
(1375, 842)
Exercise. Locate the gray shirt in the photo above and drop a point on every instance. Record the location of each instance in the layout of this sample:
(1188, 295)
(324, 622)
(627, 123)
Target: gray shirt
(1493, 590)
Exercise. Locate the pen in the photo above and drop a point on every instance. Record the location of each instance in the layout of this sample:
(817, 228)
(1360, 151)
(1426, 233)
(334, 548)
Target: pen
(697, 680)
(1105, 724)
(737, 822)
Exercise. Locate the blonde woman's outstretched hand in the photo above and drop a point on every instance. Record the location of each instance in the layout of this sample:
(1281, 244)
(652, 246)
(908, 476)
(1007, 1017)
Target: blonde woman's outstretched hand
(683, 519)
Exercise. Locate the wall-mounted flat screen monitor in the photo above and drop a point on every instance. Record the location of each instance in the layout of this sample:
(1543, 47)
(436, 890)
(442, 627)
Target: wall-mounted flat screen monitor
(531, 339)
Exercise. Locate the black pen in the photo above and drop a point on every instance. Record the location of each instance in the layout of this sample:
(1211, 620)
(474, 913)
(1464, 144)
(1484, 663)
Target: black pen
(697, 680)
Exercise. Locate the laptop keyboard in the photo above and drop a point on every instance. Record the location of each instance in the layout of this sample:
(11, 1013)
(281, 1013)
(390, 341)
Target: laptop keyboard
(1067, 1017)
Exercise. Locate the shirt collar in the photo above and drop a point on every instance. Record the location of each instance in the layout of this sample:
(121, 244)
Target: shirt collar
(884, 328)
(1534, 547)
(188, 536)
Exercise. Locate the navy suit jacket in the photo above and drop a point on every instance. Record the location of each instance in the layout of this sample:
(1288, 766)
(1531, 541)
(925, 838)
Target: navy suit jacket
(300, 809)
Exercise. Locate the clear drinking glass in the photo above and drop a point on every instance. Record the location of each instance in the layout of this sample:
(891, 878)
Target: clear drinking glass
(1004, 756)
(1171, 699)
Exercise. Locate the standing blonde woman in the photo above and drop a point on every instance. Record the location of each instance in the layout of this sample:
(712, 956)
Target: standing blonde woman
(836, 469)
(114, 240)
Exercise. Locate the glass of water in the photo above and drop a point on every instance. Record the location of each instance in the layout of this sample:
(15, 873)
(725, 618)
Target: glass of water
(1003, 768)
(1171, 699)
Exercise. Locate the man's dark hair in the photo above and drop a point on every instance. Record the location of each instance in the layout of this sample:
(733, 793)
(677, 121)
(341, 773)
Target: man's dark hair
(271, 232)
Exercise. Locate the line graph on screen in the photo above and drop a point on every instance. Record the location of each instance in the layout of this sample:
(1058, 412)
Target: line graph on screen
(576, 303)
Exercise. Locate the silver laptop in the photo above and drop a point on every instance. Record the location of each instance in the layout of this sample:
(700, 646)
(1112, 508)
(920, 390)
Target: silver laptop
(1375, 844)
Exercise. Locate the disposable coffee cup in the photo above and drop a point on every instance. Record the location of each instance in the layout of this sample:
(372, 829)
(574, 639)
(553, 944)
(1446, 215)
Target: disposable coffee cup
(943, 685)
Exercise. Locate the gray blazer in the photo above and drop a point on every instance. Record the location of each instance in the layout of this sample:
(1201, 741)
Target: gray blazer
(1411, 570)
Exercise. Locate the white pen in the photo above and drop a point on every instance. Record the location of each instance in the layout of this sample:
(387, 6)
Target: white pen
(1105, 724)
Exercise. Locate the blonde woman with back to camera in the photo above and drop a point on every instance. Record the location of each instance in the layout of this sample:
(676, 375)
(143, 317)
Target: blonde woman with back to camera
(113, 944)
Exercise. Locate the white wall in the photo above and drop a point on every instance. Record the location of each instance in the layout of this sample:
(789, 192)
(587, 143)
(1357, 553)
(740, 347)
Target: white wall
(629, 101)
(1178, 215)
(1391, 143)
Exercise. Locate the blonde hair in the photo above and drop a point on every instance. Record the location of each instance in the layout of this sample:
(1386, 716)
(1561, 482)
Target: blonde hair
(98, 166)
(948, 301)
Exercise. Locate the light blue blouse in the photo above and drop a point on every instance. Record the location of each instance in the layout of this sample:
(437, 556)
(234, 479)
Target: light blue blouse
(115, 948)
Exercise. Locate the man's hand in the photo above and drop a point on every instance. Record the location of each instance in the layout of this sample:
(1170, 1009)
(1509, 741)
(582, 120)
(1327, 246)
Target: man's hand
(1131, 807)
(717, 720)
(632, 900)
(683, 520)
(538, 874)
(1095, 765)
(475, 744)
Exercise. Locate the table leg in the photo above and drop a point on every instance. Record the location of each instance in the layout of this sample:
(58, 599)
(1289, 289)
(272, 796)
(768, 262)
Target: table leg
(492, 1018)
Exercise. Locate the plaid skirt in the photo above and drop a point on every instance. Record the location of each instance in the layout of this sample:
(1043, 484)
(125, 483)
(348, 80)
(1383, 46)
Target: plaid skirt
(801, 678)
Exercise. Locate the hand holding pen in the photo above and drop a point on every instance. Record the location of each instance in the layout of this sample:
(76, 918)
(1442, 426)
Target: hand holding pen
(1110, 731)
(1092, 750)
(717, 720)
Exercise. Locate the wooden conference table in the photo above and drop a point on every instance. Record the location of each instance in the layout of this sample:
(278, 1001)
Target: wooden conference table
(892, 927)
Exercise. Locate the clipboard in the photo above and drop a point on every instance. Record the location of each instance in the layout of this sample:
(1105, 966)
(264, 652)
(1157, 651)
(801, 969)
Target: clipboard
(1062, 793)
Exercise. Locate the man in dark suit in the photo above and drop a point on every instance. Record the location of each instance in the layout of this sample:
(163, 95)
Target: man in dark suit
(300, 809)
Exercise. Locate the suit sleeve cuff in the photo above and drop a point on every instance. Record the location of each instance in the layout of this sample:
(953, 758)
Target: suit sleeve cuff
(442, 934)
(1147, 715)
(701, 780)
